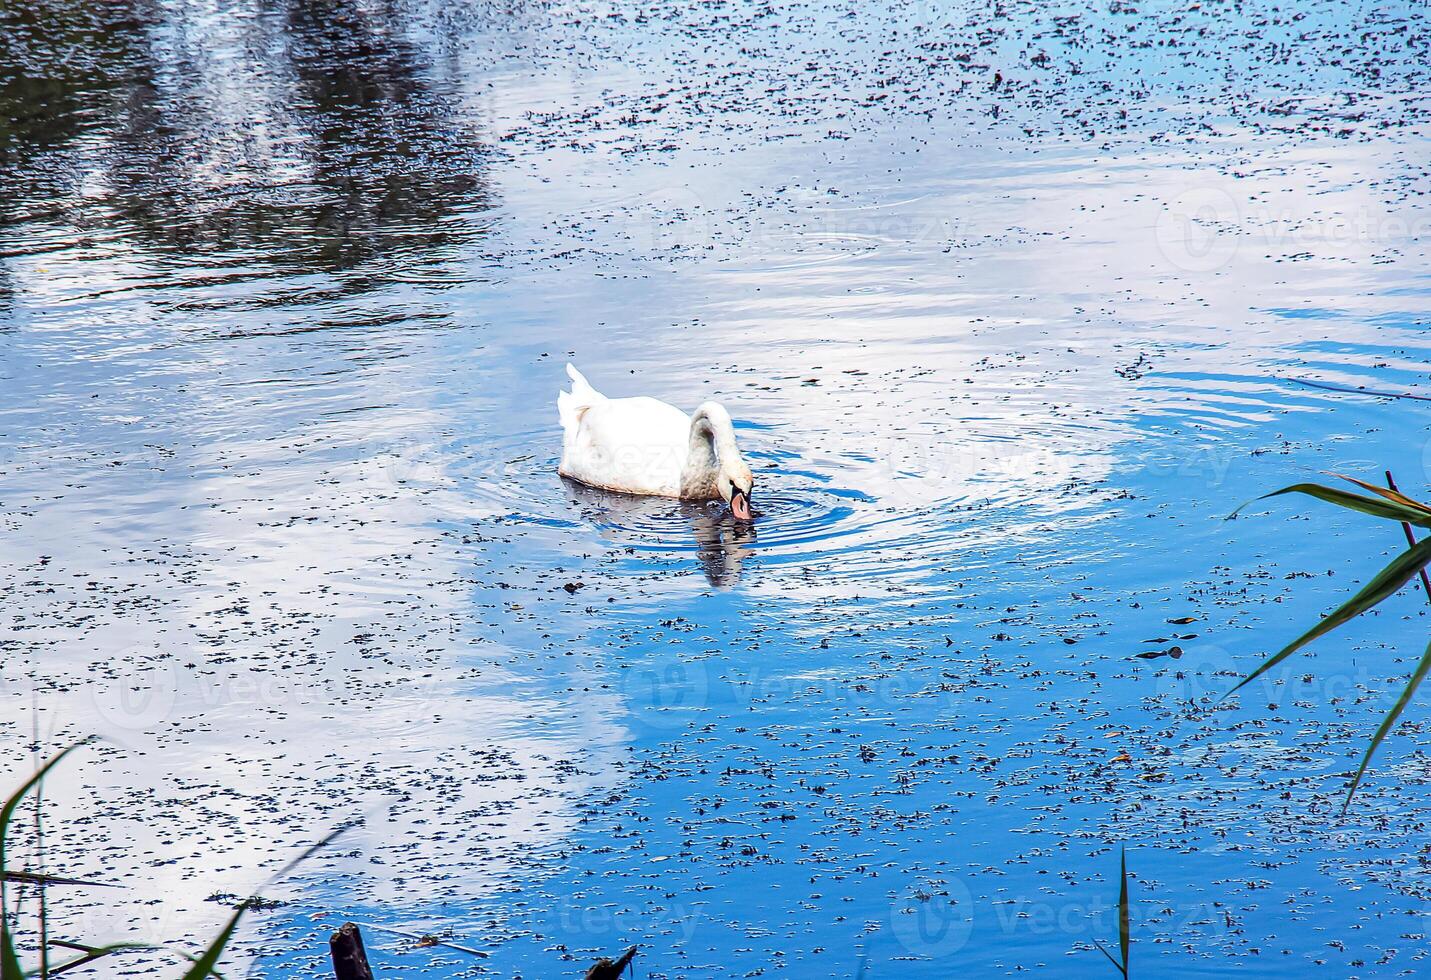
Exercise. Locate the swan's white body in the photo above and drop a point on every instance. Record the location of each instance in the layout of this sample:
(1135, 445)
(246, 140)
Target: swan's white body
(645, 446)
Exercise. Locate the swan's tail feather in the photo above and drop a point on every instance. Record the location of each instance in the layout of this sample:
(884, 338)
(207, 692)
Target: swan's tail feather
(572, 405)
(581, 389)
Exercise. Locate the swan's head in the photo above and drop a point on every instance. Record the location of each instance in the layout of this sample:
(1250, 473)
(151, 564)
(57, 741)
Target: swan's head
(735, 483)
(733, 478)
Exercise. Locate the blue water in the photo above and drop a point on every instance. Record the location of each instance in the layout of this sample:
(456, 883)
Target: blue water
(286, 292)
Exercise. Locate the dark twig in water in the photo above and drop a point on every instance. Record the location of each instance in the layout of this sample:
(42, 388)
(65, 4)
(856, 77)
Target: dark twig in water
(91, 953)
(30, 878)
(428, 940)
(609, 969)
(350, 959)
(1373, 392)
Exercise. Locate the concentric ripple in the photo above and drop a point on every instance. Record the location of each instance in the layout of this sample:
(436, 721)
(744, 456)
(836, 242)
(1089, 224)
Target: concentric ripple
(797, 523)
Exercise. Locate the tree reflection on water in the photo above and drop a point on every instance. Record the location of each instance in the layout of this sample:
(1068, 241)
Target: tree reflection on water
(307, 135)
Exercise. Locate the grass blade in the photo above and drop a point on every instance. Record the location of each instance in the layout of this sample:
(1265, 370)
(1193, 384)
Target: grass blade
(1417, 676)
(1387, 582)
(1354, 501)
(92, 953)
(314, 848)
(1123, 930)
(9, 958)
(7, 812)
(1104, 950)
(204, 966)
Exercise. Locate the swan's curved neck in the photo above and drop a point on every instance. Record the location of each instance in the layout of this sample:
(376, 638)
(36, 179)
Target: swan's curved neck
(712, 438)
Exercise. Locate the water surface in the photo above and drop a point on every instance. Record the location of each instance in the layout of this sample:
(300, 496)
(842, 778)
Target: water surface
(1012, 304)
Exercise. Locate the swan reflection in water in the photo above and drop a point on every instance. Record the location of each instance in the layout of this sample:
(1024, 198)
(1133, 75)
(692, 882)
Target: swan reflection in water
(722, 542)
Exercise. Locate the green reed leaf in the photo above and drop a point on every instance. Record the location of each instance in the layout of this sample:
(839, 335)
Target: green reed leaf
(1387, 582)
(1389, 493)
(207, 961)
(7, 812)
(1417, 676)
(9, 958)
(1386, 509)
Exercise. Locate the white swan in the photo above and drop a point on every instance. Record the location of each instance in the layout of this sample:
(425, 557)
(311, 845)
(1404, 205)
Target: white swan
(645, 446)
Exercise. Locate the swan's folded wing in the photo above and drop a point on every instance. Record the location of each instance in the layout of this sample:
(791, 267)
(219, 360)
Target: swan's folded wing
(634, 445)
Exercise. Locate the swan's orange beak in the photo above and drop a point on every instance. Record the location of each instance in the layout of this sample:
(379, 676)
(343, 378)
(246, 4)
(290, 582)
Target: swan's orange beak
(740, 505)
